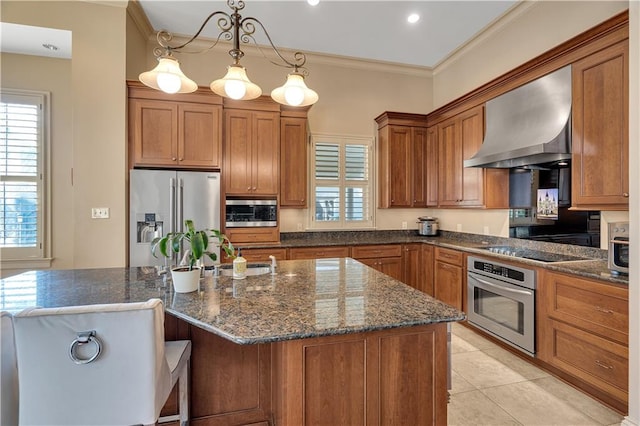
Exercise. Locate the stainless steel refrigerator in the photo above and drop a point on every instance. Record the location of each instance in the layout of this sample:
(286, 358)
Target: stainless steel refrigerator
(160, 201)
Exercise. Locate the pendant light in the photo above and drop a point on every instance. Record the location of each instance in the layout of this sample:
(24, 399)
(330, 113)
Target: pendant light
(168, 77)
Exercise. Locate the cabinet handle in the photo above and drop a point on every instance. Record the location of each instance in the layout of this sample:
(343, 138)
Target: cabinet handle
(248, 188)
(603, 365)
(604, 310)
(173, 158)
(182, 159)
(625, 195)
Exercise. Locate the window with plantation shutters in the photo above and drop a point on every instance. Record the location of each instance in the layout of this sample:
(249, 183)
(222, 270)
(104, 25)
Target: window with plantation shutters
(341, 179)
(22, 137)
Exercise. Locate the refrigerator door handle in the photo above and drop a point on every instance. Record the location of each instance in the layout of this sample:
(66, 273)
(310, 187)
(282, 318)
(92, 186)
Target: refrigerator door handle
(180, 221)
(172, 204)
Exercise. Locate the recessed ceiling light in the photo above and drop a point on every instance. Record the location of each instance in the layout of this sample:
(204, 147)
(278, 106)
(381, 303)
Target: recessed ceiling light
(313, 2)
(52, 47)
(413, 18)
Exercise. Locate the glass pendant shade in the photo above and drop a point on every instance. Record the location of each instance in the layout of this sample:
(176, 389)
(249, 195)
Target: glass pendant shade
(294, 92)
(236, 85)
(168, 77)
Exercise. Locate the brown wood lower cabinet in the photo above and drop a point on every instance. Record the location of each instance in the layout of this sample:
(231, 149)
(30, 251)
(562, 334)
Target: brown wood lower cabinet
(386, 258)
(396, 376)
(417, 267)
(448, 277)
(260, 254)
(391, 377)
(299, 253)
(583, 331)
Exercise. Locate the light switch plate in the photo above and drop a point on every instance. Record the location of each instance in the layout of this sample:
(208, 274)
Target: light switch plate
(100, 213)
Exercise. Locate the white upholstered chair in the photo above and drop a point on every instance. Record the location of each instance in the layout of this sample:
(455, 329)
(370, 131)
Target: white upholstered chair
(98, 365)
(9, 373)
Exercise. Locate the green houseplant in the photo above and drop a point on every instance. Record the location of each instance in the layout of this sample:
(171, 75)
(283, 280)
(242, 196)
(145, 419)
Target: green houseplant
(196, 244)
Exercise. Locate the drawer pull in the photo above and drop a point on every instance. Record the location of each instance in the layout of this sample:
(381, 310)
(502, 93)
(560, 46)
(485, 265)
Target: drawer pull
(604, 310)
(603, 365)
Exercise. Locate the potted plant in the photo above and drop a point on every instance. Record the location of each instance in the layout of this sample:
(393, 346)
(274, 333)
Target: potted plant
(196, 245)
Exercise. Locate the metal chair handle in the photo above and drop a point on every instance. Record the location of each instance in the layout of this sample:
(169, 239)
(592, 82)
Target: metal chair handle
(84, 338)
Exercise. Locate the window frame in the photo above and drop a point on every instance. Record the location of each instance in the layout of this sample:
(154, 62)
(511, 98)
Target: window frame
(342, 224)
(39, 256)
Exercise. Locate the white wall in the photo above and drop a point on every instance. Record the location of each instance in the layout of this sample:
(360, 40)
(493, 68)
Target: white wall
(93, 147)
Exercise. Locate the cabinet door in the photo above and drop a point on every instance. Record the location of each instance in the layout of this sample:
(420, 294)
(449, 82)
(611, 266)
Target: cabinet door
(399, 166)
(412, 268)
(391, 266)
(459, 138)
(199, 135)
(153, 128)
(237, 152)
(293, 162)
(449, 163)
(600, 146)
(266, 153)
(419, 166)
(472, 134)
(432, 166)
(447, 283)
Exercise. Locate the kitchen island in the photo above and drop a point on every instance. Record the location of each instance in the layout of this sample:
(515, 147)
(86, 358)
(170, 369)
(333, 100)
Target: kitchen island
(328, 341)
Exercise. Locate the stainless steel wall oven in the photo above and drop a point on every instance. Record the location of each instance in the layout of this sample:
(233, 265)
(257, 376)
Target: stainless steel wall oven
(501, 301)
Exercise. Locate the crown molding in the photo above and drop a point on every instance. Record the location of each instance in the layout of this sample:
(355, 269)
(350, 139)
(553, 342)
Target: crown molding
(140, 19)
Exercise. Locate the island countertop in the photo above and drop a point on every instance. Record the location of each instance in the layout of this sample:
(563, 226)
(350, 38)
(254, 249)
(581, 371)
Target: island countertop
(306, 298)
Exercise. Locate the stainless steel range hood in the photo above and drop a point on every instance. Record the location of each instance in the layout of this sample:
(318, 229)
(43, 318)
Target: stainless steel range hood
(530, 125)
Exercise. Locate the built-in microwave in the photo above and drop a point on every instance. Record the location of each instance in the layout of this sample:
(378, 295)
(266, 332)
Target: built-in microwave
(619, 247)
(241, 213)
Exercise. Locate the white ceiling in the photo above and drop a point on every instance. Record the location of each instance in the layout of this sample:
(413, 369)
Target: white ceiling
(364, 29)
(375, 30)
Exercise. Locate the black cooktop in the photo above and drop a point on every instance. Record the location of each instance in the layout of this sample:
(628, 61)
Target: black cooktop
(540, 256)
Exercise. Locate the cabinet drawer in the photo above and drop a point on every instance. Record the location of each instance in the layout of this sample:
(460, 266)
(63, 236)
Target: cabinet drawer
(593, 306)
(253, 235)
(376, 251)
(318, 252)
(598, 361)
(449, 256)
(260, 254)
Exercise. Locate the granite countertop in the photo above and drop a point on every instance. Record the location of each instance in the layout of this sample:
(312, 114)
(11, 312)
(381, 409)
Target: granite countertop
(306, 298)
(593, 264)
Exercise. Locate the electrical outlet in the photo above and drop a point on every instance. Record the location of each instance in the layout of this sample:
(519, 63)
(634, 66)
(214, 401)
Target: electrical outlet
(486, 230)
(404, 224)
(300, 227)
(459, 227)
(100, 213)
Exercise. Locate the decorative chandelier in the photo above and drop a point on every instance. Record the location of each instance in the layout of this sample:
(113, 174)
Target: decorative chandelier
(168, 77)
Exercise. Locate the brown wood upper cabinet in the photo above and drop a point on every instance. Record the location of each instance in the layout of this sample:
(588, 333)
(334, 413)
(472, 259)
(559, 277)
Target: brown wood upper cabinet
(459, 138)
(600, 146)
(184, 131)
(293, 162)
(403, 160)
(251, 152)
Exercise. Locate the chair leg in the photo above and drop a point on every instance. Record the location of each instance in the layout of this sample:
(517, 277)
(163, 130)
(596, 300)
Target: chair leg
(183, 390)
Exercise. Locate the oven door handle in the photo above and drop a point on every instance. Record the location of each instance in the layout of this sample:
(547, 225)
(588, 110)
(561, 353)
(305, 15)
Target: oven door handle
(480, 280)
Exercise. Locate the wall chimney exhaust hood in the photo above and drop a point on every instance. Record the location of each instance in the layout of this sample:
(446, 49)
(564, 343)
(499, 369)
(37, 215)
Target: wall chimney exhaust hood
(528, 126)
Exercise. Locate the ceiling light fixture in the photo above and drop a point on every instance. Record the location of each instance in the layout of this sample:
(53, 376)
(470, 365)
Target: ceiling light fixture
(413, 18)
(168, 77)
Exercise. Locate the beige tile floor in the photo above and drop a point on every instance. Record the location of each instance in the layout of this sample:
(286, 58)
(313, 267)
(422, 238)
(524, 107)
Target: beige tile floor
(491, 386)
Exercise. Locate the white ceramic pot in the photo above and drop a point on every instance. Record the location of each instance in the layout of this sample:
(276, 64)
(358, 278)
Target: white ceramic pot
(184, 280)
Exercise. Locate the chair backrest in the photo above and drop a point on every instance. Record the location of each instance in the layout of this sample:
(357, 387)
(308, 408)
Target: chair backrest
(118, 387)
(9, 373)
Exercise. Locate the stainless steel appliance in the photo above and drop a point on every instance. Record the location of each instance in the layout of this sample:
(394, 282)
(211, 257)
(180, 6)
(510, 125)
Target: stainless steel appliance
(501, 301)
(428, 225)
(241, 213)
(160, 201)
(619, 247)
